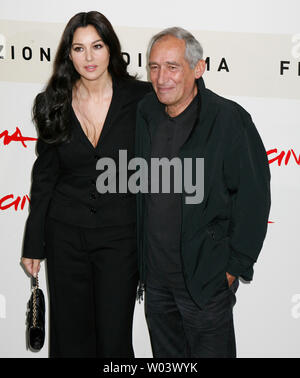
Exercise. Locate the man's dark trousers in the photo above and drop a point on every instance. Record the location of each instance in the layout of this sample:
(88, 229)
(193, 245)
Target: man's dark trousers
(180, 329)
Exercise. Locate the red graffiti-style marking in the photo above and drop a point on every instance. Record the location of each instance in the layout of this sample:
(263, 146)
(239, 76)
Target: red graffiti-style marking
(5, 204)
(279, 158)
(23, 201)
(18, 137)
(15, 137)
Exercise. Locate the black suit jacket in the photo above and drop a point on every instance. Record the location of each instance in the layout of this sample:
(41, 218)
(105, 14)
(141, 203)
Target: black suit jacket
(225, 232)
(64, 176)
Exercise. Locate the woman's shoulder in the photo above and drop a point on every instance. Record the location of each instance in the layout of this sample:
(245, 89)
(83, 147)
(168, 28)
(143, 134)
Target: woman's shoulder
(138, 87)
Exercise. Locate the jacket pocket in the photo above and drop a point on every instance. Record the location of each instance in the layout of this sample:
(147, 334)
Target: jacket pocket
(218, 230)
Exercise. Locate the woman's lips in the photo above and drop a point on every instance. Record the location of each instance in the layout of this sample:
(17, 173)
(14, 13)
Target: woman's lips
(90, 68)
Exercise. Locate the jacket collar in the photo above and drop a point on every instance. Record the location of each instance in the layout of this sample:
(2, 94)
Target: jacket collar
(117, 102)
(207, 108)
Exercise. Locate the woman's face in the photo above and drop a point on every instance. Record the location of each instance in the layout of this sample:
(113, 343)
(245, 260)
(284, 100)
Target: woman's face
(89, 54)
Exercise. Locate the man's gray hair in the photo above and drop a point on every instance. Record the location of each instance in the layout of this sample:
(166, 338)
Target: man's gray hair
(193, 49)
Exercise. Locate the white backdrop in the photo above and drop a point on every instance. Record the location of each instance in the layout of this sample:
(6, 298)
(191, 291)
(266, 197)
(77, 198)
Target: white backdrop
(253, 50)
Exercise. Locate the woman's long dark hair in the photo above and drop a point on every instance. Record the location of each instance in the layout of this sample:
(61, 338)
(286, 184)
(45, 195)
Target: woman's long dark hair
(51, 108)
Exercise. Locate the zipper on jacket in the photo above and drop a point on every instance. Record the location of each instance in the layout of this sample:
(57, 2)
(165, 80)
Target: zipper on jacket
(140, 291)
(141, 284)
(180, 252)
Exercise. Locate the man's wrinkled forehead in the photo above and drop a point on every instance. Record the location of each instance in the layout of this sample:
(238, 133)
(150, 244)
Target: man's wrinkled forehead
(168, 49)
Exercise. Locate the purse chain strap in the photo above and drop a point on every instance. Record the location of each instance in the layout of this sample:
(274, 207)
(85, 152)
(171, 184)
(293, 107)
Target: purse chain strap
(34, 309)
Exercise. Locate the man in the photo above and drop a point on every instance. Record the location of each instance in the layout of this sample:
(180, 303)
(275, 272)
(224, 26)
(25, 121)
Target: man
(191, 255)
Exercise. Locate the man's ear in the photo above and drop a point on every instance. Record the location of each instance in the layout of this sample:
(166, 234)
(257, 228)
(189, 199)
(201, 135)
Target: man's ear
(200, 68)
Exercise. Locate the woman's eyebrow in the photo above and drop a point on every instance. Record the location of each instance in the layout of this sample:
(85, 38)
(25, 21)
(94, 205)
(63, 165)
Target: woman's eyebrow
(78, 43)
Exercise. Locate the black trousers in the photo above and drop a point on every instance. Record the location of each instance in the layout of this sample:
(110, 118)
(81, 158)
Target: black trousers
(92, 280)
(180, 329)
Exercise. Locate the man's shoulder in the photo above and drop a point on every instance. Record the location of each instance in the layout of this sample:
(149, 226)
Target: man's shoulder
(148, 103)
(226, 105)
(233, 116)
(149, 100)
(138, 86)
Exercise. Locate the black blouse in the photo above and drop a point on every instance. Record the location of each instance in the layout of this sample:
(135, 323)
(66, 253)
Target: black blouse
(64, 176)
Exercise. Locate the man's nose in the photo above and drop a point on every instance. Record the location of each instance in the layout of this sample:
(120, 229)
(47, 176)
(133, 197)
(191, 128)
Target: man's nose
(162, 76)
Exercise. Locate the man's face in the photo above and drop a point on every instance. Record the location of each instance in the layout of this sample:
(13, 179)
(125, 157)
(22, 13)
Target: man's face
(170, 73)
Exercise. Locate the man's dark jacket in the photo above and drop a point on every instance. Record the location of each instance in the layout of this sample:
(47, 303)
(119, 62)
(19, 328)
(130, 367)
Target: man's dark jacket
(225, 232)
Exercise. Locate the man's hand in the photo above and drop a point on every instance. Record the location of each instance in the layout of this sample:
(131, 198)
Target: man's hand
(230, 279)
(32, 266)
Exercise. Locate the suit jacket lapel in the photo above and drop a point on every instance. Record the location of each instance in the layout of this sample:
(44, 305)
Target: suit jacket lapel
(203, 125)
(117, 102)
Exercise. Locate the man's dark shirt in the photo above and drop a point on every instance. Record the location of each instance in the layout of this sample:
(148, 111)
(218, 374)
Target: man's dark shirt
(163, 210)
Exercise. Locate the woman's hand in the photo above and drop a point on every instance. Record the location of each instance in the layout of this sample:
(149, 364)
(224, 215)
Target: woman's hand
(32, 266)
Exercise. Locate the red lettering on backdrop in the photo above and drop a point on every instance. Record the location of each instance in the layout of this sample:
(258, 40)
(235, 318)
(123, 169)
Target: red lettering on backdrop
(9, 201)
(295, 157)
(15, 137)
(17, 201)
(18, 137)
(283, 156)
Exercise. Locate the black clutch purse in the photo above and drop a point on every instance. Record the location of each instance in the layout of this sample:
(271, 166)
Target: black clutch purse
(36, 317)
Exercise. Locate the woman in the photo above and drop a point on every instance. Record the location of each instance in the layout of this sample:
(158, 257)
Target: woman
(86, 112)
